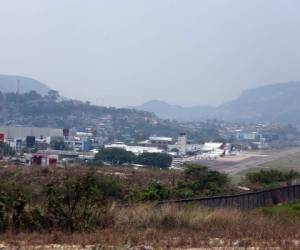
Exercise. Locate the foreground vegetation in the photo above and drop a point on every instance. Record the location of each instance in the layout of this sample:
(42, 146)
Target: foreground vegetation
(175, 227)
(118, 207)
(291, 209)
(81, 202)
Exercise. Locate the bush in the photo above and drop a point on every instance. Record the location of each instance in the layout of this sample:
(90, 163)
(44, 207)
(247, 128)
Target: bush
(199, 180)
(13, 200)
(79, 203)
(155, 192)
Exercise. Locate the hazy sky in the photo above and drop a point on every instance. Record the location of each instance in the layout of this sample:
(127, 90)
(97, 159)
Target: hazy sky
(129, 51)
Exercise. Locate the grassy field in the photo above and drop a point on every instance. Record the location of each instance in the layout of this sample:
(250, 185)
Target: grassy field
(286, 163)
(291, 209)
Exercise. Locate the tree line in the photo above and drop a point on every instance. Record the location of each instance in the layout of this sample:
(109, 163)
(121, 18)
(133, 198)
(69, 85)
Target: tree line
(118, 156)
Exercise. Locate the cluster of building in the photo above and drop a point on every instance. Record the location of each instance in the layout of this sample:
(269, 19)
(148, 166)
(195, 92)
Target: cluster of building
(260, 136)
(51, 145)
(74, 145)
(178, 148)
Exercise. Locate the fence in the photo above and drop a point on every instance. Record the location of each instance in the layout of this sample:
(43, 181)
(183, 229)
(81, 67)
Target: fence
(246, 200)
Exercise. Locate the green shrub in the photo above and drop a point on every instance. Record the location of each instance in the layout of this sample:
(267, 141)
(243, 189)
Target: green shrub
(155, 192)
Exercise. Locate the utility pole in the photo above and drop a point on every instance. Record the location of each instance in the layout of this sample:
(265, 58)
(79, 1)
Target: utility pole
(18, 87)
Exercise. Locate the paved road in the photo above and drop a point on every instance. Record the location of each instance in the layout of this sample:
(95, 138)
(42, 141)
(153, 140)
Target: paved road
(250, 161)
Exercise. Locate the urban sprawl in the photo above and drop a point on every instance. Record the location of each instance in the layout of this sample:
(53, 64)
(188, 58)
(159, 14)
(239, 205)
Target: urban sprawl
(54, 146)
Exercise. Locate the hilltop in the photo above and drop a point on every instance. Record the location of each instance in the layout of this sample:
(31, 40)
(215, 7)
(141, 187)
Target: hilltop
(9, 83)
(272, 103)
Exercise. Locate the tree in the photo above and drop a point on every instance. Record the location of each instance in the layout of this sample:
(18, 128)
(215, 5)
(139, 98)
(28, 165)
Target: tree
(6, 150)
(31, 96)
(53, 95)
(58, 145)
(115, 156)
(154, 159)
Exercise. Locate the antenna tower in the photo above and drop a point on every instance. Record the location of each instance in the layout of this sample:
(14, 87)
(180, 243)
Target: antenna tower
(18, 87)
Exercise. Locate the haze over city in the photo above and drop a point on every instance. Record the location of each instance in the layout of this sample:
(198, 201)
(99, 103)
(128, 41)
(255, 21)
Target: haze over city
(124, 53)
(158, 124)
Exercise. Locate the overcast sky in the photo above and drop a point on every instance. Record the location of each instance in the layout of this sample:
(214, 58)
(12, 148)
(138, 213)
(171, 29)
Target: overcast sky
(126, 52)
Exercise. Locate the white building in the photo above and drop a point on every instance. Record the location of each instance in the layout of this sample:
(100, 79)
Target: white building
(134, 149)
(16, 132)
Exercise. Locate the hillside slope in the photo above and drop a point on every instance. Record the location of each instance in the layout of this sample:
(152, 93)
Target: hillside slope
(272, 103)
(32, 109)
(9, 83)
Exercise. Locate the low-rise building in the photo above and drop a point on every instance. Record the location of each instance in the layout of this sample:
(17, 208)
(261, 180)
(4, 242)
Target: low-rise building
(161, 141)
(134, 149)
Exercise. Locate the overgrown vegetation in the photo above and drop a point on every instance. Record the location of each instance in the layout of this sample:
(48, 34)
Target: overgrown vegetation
(270, 178)
(176, 227)
(76, 204)
(291, 209)
(81, 202)
(120, 207)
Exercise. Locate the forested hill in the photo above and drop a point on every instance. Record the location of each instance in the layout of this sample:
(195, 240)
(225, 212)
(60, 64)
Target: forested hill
(32, 109)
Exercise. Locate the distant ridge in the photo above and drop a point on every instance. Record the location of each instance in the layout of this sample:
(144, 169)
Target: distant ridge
(278, 102)
(9, 83)
(167, 111)
(270, 103)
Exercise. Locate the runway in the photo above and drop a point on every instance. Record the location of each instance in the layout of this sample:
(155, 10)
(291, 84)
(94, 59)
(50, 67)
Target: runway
(244, 160)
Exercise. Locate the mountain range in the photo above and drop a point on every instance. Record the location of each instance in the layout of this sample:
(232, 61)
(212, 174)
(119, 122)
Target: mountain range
(271, 103)
(9, 83)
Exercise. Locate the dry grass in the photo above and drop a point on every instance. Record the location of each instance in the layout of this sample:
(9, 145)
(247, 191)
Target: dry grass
(177, 227)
